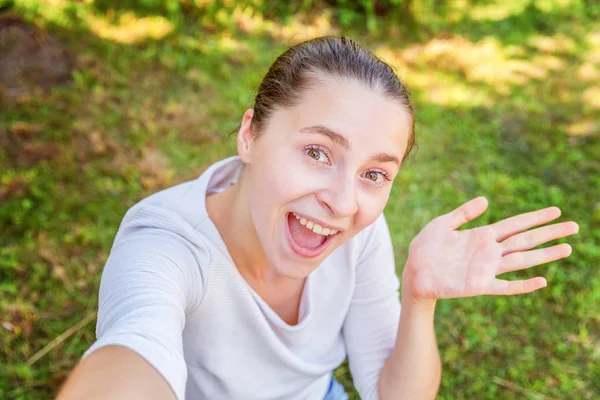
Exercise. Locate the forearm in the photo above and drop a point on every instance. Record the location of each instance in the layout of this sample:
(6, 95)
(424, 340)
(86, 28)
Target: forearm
(413, 370)
(115, 372)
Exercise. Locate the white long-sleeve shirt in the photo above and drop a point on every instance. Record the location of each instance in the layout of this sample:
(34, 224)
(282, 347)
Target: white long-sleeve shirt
(171, 293)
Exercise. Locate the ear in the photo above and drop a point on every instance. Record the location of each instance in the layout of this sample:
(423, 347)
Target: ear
(245, 137)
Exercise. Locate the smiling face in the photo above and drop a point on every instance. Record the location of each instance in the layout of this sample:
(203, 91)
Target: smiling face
(321, 171)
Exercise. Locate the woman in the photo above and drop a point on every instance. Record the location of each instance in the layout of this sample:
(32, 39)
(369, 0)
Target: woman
(257, 279)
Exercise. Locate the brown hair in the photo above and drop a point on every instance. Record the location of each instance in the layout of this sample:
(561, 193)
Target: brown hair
(298, 68)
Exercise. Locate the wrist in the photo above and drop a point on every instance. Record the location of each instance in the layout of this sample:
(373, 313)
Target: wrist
(410, 301)
(413, 289)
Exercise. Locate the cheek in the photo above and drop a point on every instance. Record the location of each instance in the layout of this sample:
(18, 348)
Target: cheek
(287, 176)
(275, 181)
(371, 206)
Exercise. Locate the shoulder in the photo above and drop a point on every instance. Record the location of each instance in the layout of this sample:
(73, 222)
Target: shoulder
(375, 250)
(178, 200)
(169, 230)
(372, 245)
(158, 237)
(181, 208)
(378, 227)
(374, 235)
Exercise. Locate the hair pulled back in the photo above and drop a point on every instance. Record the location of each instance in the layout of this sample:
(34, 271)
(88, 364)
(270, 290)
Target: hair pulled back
(301, 66)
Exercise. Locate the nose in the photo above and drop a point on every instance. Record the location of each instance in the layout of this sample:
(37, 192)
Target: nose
(340, 197)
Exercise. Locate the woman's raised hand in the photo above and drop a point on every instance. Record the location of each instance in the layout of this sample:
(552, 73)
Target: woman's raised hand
(444, 262)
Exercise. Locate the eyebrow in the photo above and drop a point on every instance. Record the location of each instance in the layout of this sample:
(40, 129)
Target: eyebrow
(323, 130)
(342, 141)
(383, 157)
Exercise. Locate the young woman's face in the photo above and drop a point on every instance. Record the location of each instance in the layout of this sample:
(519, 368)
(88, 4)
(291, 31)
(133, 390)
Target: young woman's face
(321, 171)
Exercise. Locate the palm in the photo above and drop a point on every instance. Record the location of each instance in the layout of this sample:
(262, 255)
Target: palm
(444, 262)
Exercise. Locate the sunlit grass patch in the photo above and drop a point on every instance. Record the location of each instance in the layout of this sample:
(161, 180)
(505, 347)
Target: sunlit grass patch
(456, 70)
(557, 44)
(301, 27)
(128, 28)
(583, 128)
(494, 11)
(591, 96)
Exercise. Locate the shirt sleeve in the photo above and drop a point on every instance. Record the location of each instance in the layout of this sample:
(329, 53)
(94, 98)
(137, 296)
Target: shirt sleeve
(371, 324)
(149, 282)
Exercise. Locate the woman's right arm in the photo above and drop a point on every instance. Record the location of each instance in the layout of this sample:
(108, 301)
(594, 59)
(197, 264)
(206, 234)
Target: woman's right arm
(115, 372)
(151, 280)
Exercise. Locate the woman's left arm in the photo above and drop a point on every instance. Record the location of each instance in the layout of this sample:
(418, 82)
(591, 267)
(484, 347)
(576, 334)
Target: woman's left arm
(445, 263)
(413, 370)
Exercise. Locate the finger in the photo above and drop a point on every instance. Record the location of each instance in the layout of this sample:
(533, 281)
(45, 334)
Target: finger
(530, 239)
(526, 259)
(508, 288)
(519, 223)
(466, 212)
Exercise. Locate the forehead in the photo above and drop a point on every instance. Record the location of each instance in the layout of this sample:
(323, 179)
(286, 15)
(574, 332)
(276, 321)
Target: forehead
(368, 119)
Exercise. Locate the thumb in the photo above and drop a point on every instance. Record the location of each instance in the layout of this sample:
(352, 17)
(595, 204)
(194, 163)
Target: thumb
(466, 212)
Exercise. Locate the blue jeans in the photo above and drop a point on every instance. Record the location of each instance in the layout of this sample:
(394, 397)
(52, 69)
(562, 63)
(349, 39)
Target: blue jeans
(336, 391)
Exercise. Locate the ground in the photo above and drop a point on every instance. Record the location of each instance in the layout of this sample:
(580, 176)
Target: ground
(507, 98)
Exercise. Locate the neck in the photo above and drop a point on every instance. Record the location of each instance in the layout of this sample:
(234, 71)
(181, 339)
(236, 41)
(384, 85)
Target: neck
(230, 213)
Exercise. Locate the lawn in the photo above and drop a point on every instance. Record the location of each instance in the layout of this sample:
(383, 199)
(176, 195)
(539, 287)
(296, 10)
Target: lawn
(507, 100)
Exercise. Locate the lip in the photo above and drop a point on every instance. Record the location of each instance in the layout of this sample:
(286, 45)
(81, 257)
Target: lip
(303, 251)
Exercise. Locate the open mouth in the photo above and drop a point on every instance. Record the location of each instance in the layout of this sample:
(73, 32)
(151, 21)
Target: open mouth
(307, 240)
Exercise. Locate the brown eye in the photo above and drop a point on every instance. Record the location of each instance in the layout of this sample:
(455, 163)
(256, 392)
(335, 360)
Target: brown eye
(313, 153)
(372, 175)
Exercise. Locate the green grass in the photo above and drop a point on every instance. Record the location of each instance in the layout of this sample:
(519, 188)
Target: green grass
(507, 105)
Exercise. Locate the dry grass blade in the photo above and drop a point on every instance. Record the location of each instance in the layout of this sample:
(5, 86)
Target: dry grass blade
(509, 385)
(61, 338)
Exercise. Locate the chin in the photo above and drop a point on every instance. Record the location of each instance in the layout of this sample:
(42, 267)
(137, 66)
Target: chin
(289, 265)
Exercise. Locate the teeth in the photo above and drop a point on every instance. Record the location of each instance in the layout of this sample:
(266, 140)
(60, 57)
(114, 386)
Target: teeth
(316, 228)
